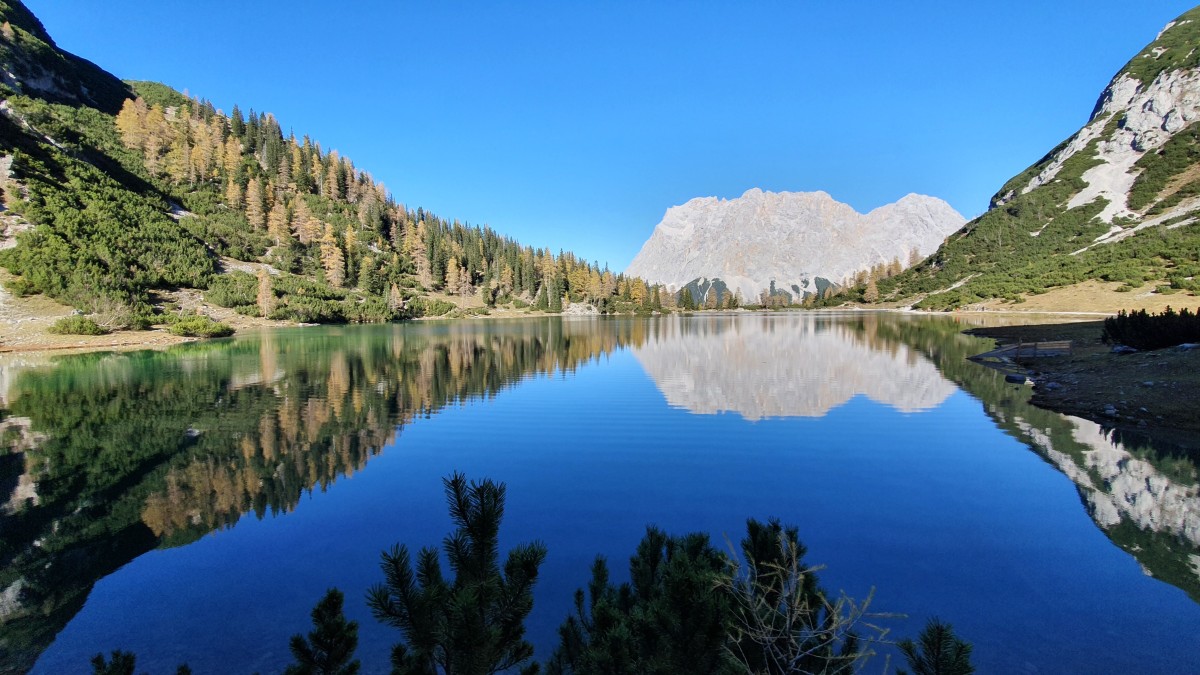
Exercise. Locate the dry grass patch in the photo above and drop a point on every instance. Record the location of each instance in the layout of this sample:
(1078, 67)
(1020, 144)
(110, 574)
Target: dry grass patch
(1095, 296)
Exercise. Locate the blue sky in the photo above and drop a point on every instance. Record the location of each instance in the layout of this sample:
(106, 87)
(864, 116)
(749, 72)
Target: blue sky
(574, 125)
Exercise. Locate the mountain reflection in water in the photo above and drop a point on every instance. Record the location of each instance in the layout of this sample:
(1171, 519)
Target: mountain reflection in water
(109, 456)
(775, 366)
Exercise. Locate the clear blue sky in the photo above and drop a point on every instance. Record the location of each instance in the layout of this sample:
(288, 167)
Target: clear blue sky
(574, 125)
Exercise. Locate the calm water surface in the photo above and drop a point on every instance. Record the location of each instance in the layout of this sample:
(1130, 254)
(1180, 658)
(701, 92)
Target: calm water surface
(193, 505)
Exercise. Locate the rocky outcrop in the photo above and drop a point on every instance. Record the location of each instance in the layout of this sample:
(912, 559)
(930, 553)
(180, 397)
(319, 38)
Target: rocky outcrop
(1146, 117)
(31, 64)
(789, 239)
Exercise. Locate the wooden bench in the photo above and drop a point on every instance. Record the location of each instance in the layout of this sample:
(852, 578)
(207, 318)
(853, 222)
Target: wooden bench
(1036, 349)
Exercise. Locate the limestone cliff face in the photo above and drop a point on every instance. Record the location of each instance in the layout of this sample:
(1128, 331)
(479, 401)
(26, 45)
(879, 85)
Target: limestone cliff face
(1146, 116)
(789, 238)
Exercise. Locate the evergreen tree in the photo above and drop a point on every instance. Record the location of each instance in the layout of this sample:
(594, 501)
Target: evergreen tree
(938, 651)
(237, 125)
(329, 648)
(473, 624)
(782, 622)
(669, 618)
(121, 663)
(685, 299)
(554, 294)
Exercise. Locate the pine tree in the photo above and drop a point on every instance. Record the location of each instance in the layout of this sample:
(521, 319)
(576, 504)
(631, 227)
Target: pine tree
(782, 621)
(237, 125)
(472, 624)
(367, 276)
(686, 301)
(554, 295)
(121, 663)
(670, 617)
(329, 648)
(938, 651)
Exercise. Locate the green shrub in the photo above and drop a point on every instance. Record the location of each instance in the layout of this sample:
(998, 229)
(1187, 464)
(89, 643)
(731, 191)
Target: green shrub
(199, 326)
(430, 307)
(232, 290)
(371, 309)
(1142, 330)
(77, 325)
(20, 287)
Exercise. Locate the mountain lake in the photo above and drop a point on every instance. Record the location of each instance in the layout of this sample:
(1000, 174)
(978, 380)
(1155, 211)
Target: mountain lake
(192, 505)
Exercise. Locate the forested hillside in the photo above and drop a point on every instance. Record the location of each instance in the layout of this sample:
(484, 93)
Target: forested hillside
(114, 193)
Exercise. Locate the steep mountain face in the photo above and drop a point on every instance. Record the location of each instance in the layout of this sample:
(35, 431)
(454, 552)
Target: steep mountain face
(1083, 211)
(787, 240)
(33, 65)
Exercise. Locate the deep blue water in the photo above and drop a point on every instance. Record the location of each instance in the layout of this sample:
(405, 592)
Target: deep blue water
(928, 502)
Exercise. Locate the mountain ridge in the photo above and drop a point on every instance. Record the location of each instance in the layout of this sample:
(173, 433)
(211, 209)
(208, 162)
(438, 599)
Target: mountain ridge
(784, 242)
(1080, 213)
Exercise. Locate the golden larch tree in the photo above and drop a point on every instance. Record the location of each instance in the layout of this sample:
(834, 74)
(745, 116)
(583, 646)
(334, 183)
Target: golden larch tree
(332, 258)
(255, 211)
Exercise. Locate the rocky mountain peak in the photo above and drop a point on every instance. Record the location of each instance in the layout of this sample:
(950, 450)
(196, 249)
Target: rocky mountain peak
(786, 239)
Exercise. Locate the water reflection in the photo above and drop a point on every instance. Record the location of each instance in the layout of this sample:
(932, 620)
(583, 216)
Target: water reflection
(108, 456)
(1142, 492)
(786, 365)
(1147, 501)
(111, 455)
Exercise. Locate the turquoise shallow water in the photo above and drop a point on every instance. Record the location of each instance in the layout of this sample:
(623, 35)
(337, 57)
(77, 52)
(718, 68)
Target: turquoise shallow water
(295, 457)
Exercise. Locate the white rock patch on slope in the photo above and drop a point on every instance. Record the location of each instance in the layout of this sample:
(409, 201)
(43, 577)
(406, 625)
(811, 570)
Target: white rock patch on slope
(1151, 116)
